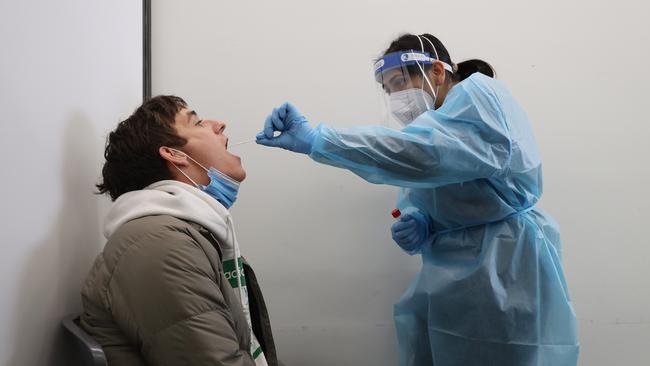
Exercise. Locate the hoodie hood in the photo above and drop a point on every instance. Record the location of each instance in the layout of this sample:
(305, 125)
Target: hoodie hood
(174, 198)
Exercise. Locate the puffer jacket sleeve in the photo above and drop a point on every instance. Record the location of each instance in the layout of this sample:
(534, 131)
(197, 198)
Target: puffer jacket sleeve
(168, 291)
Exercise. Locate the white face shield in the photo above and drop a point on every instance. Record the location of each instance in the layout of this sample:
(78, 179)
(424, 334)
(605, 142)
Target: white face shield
(406, 90)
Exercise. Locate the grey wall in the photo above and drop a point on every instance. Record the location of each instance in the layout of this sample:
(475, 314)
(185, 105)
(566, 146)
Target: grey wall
(319, 237)
(69, 70)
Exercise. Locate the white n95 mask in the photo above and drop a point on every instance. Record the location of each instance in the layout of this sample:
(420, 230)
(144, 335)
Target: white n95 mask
(407, 105)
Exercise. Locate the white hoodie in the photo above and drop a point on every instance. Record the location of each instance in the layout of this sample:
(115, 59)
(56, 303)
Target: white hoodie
(180, 200)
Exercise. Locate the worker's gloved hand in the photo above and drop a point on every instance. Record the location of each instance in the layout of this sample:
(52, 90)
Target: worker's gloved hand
(295, 133)
(411, 231)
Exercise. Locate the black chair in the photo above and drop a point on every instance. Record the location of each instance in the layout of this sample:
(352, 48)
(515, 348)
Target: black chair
(88, 349)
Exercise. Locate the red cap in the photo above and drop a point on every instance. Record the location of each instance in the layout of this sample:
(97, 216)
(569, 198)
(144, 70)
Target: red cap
(396, 213)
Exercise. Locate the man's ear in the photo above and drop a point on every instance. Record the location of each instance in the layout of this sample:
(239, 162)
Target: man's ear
(173, 156)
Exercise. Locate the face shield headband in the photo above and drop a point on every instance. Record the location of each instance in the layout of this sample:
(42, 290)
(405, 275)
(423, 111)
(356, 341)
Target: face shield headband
(405, 58)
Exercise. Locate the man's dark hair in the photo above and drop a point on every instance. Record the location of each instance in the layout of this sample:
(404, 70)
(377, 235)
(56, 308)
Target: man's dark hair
(132, 158)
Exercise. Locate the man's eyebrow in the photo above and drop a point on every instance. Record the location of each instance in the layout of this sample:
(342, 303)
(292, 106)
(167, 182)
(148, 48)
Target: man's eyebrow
(190, 114)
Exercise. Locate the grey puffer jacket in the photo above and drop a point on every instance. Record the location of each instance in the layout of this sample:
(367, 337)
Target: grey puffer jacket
(157, 295)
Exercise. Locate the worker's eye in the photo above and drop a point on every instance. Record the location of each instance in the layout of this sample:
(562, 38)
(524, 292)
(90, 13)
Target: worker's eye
(199, 123)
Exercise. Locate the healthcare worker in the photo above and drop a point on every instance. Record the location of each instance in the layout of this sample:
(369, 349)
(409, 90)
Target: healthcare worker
(491, 290)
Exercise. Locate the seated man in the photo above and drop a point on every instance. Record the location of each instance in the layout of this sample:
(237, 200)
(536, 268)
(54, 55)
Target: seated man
(166, 290)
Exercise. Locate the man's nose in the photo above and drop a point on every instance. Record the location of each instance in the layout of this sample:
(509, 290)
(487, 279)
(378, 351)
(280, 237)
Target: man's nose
(218, 126)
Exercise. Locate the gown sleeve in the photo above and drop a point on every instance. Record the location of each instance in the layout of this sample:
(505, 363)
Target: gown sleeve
(465, 139)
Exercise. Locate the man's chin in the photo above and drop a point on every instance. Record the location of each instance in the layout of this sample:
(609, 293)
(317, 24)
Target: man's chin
(240, 176)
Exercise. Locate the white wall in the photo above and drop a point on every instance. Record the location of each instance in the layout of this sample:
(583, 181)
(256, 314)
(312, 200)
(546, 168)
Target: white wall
(69, 70)
(319, 237)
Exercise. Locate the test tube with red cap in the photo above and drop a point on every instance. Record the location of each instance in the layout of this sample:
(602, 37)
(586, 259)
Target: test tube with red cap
(396, 213)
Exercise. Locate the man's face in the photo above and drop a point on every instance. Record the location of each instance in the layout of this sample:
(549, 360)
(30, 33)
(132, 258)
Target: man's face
(207, 144)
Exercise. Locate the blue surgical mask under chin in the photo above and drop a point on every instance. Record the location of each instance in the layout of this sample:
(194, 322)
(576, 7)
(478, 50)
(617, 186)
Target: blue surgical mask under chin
(221, 187)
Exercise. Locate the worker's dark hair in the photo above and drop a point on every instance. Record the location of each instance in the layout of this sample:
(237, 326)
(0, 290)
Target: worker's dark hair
(463, 70)
(132, 158)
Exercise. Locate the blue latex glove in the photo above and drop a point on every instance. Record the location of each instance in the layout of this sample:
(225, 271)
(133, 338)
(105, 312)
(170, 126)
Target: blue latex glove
(296, 134)
(411, 231)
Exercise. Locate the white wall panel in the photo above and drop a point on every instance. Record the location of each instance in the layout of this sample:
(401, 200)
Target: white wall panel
(319, 237)
(69, 70)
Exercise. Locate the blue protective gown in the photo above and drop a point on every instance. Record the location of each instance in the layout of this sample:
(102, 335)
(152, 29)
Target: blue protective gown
(491, 290)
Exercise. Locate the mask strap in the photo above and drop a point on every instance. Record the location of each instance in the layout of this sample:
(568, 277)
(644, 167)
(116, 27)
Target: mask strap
(182, 172)
(424, 75)
(186, 176)
(422, 46)
(432, 46)
(189, 157)
(447, 66)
